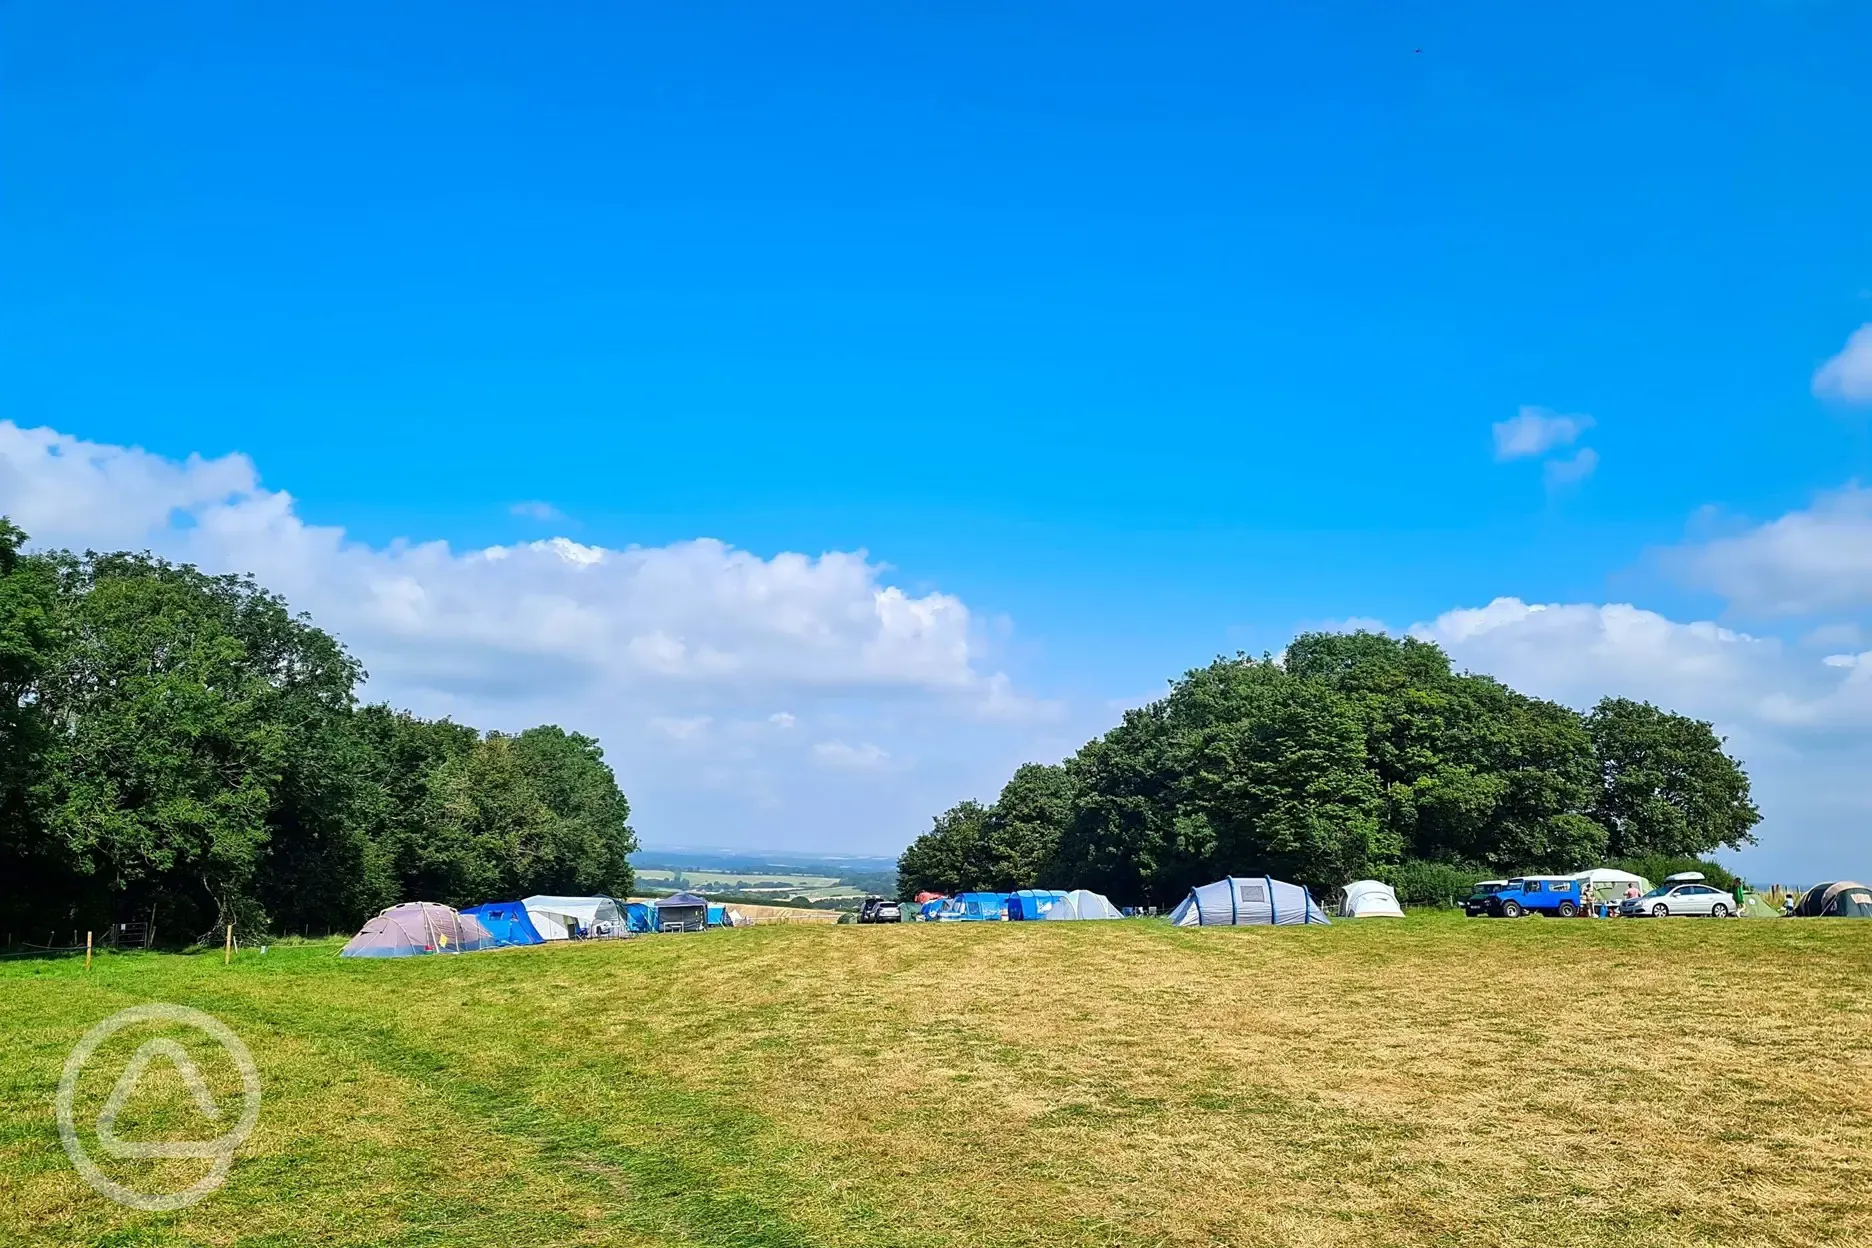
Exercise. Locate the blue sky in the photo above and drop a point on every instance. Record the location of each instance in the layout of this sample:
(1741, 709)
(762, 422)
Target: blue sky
(1143, 333)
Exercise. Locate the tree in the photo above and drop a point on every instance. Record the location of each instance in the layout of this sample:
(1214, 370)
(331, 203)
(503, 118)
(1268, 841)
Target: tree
(948, 858)
(1351, 754)
(1666, 787)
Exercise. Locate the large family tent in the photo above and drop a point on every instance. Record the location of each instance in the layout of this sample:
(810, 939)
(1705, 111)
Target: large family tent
(974, 908)
(557, 918)
(1842, 899)
(1370, 899)
(1033, 903)
(639, 916)
(685, 912)
(1240, 901)
(1082, 904)
(1609, 884)
(415, 928)
(507, 923)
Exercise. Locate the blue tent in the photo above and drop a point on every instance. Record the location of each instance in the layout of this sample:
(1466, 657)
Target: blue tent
(717, 914)
(507, 923)
(1033, 903)
(639, 917)
(974, 908)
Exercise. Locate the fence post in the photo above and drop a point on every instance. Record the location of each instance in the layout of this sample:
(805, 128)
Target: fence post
(227, 953)
(87, 951)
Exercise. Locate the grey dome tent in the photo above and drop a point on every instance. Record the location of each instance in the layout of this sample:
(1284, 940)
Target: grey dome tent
(1241, 901)
(1842, 899)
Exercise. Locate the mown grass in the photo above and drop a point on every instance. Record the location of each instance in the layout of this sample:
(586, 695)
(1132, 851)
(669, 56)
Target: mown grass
(1432, 1081)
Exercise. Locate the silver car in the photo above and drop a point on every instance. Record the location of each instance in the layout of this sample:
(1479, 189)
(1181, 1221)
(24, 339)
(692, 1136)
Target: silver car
(1668, 899)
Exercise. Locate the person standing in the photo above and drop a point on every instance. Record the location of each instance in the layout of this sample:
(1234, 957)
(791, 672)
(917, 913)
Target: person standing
(1741, 896)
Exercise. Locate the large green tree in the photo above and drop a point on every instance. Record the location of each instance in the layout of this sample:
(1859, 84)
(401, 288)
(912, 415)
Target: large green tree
(1666, 786)
(1350, 754)
(183, 744)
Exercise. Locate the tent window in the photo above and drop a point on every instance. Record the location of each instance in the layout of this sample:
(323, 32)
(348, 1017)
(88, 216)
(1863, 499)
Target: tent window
(1255, 893)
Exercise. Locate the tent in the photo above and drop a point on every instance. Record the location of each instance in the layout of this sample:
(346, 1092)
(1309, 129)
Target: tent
(1370, 899)
(1238, 901)
(639, 916)
(1609, 884)
(1081, 904)
(507, 923)
(557, 918)
(1841, 899)
(1033, 903)
(931, 908)
(685, 912)
(734, 918)
(974, 908)
(415, 928)
(926, 895)
(720, 915)
(1753, 907)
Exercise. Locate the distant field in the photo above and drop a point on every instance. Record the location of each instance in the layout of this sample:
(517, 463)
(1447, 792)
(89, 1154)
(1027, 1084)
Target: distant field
(1424, 1082)
(731, 880)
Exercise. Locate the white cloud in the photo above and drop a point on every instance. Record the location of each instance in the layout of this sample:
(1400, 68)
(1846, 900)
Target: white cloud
(534, 509)
(1848, 375)
(688, 728)
(553, 612)
(1535, 431)
(1814, 560)
(1801, 724)
(673, 655)
(1564, 472)
(864, 757)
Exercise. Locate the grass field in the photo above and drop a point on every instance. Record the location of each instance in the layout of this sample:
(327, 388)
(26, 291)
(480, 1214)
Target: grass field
(730, 879)
(1432, 1081)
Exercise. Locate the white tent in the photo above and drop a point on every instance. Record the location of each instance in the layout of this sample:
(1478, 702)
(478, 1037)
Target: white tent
(553, 917)
(1236, 901)
(1608, 883)
(1081, 904)
(1370, 899)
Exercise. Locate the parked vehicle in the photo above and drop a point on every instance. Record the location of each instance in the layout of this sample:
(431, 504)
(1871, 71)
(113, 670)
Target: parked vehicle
(1557, 895)
(1684, 893)
(1476, 903)
(880, 910)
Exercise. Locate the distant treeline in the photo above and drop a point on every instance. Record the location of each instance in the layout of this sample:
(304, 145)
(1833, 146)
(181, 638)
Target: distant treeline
(182, 744)
(1350, 755)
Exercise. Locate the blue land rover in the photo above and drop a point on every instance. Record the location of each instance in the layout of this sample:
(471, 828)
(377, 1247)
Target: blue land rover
(1538, 894)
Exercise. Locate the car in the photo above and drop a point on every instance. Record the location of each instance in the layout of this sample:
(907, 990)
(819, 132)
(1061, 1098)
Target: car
(1684, 893)
(1476, 902)
(1557, 895)
(880, 910)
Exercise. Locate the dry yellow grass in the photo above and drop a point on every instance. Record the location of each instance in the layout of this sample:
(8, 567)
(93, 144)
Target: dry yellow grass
(1425, 1082)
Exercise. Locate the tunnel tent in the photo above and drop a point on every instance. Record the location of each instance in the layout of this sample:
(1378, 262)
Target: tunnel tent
(639, 916)
(974, 908)
(416, 928)
(1033, 903)
(685, 912)
(557, 918)
(506, 923)
(1838, 899)
(1370, 899)
(1241, 901)
(1082, 903)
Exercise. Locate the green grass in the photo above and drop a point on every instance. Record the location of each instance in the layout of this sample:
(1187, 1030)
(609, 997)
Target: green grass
(1433, 1081)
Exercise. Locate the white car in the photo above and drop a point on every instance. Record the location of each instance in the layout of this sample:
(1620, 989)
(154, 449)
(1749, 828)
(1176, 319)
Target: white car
(1679, 898)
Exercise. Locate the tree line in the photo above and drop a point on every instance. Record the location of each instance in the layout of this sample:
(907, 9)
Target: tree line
(183, 745)
(1348, 756)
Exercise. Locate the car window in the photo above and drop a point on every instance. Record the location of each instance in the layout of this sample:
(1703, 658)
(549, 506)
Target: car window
(1532, 886)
